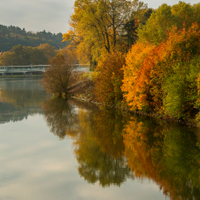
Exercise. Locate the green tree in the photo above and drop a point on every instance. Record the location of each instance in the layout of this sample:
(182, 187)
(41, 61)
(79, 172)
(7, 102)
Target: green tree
(180, 90)
(156, 29)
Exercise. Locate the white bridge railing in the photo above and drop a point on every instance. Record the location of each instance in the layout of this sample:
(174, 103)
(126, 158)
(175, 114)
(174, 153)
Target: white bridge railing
(34, 68)
(22, 67)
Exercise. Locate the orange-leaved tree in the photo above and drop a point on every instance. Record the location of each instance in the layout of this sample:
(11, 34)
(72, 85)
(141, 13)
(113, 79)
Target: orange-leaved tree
(144, 79)
(132, 88)
(108, 79)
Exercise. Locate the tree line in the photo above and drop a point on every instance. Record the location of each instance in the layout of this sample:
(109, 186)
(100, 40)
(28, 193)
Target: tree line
(22, 55)
(11, 36)
(144, 58)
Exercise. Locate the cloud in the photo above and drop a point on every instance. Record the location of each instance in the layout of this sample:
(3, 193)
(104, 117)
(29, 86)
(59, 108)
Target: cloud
(157, 3)
(49, 15)
(38, 15)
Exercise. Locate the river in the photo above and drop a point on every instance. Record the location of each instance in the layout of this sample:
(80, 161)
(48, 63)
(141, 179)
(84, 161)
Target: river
(56, 149)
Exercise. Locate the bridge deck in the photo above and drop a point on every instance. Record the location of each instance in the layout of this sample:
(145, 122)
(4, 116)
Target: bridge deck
(33, 68)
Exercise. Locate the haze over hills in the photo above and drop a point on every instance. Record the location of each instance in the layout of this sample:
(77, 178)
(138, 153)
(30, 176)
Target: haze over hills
(11, 36)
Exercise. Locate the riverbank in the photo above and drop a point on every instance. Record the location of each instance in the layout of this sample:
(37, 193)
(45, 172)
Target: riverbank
(84, 91)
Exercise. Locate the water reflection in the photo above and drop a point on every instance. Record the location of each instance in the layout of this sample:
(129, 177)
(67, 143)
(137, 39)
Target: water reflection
(111, 147)
(98, 146)
(99, 150)
(60, 116)
(20, 98)
(168, 155)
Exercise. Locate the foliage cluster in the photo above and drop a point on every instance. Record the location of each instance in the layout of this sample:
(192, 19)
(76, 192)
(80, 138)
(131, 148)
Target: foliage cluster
(99, 27)
(58, 76)
(108, 78)
(160, 72)
(22, 55)
(162, 68)
(165, 80)
(11, 36)
(181, 15)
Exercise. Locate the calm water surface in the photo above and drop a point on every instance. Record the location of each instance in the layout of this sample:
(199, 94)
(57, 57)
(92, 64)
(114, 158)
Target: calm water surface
(56, 149)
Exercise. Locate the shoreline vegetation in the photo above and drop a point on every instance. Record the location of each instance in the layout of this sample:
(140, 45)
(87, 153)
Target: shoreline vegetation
(83, 92)
(147, 61)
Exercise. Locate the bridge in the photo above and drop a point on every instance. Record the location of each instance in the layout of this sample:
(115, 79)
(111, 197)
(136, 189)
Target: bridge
(29, 70)
(25, 70)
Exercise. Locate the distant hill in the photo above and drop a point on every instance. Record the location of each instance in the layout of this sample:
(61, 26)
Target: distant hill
(11, 36)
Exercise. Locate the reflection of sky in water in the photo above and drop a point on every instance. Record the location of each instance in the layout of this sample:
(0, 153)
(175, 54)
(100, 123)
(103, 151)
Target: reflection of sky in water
(36, 165)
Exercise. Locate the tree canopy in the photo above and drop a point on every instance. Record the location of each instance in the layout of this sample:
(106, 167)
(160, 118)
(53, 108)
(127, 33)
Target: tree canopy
(99, 26)
(22, 55)
(58, 76)
(165, 18)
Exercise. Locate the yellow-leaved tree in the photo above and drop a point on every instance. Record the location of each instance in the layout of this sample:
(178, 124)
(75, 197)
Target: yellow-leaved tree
(99, 26)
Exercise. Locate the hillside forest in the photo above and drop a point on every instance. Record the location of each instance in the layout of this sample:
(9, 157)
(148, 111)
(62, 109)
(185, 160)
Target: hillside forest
(11, 36)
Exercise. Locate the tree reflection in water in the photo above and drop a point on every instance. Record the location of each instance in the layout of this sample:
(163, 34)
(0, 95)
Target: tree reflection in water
(99, 149)
(98, 146)
(111, 147)
(168, 155)
(60, 116)
(19, 98)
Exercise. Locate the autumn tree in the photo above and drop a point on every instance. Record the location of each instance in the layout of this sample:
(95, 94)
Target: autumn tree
(22, 55)
(108, 79)
(98, 26)
(134, 93)
(149, 82)
(49, 51)
(181, 15)
(70, 54)
(58, 77)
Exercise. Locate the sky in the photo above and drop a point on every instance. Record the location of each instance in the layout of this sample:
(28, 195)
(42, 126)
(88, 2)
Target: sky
(50, 15)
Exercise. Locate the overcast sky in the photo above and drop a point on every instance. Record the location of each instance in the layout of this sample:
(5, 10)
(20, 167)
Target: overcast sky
(50, 15)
